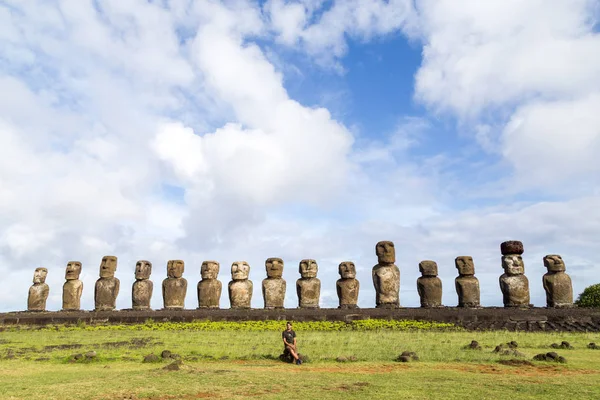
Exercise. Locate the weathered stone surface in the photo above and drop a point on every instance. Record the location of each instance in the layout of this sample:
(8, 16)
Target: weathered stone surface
(209, 288)
(513, 283)
(386, 276)
(141, 291)
(348, 286)
(73, 287)
(467, 285)
(38, 292)
(107, 287)
(429, 285)
(273, 288)
(174, 287)
(308, 286)
(557, 284)
(240, 288)
(511, 247)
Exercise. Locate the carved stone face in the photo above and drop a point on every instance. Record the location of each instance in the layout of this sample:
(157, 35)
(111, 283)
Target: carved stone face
(274, 267)
(347, 270)
(73, 270)
(240, 270)
(108, 266)
(39, 276)
(308, 268)
(554, 263)
(386, 253)
(175, 268)
(143, 269)
(209, 269)
(428, 268)
(465, 265)
(513, 265)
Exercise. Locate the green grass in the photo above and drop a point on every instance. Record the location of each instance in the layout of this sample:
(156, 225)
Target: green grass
(229, 360)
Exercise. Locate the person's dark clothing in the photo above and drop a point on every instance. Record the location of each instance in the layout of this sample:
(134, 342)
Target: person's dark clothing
(289, 336)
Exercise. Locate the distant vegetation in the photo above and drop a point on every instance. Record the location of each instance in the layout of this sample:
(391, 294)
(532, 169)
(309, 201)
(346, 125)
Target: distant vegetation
(590, 297)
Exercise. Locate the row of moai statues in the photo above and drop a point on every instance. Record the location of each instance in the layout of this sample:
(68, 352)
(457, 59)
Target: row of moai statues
(386, 279)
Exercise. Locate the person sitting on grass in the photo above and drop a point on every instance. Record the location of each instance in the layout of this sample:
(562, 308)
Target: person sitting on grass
(289, 341)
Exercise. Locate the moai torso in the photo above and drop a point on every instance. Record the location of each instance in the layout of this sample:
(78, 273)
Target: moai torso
(348, 286)
(386, 276)
(557, 284)
(209, 288)
(174, 287)
(513, 283)
(73, 287)
(429, 285)
(273, 288)
(38, 292)
(240, 288)
(141, 291)
(107, 287)
(308, 287)
(467, 285)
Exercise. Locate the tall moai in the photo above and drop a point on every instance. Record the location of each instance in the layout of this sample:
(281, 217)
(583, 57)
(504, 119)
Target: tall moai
(513, 283)
(386, 276)
(308, 287)
(347, 286)
(467, 285)
(38, 292)
(557, 284)
(174, 287)
(142, 288)
(429, 285)
(240, 288)
(209, 288)
(107, 286)
(273, 287)
(73, 287)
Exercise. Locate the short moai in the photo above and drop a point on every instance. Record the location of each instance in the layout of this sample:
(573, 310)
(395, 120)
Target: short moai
(467, 285)
(308, 287)
(209, 288)
(141, 291)
(107, 286)
(513, 283)
(73, 287)
(38, 292)
(429, 285)
(240, 288)
(386, 276)
(347, 286)
(174, 287)
(273, 288)
(557, 284)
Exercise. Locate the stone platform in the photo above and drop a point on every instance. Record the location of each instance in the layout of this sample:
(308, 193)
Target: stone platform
(488, 318)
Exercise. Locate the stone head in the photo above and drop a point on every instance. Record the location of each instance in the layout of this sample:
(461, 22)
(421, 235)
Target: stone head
(73, 270)
(274, 267)
(108, 266)
(143, 269)
(175, 268)
(428, 268)
(347, 270)
(308, 268)
(554, 263)
(465, 265)
(240, 270)
(209, 269)
(386, 253)
(39, 275)
(513, 265)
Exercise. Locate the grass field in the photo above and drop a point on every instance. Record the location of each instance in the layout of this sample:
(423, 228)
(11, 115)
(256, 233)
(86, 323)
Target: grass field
(236, 361)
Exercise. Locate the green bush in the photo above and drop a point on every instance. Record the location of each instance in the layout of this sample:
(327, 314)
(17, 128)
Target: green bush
(590, 297)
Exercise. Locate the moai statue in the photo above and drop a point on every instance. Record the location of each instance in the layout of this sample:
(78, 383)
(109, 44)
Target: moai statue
(38, 292)
(386, 276)
(273, 287)
(209, 288)
(141, 291)
(308, 286)
(107, 287)
(429, 285)
(513, 283)
(557, 284)
(240, 288)
(467, 285)
(73, 287)
(174, 287)
(348, 286)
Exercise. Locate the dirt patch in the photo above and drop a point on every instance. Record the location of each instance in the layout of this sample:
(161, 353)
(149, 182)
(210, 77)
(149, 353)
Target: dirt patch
(71, 346)
(516, 363)
(199, 395)
(136, 343)
(524, 370)
(349, 387)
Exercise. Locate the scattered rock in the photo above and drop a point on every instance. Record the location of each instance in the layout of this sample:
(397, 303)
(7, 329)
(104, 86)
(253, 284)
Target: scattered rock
(77, 357)
(551, 356)
(174, 366)
(407, 356)
(511, 352)
(562, 345)
(403, 359)
(42, 359)
(165, 354)
(151, 358)
(592, 346)
(90, 355)
(304, 358)
(512, 344)
(474, 345)
(341, 359)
